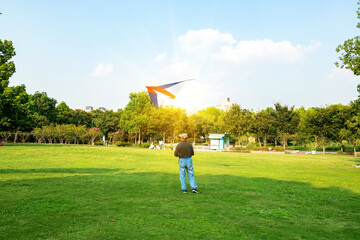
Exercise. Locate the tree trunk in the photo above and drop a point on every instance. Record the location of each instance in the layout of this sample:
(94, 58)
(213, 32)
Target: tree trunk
(264, 141)
(16, 135)
(284, 141)
(139, 137)
(259, 142)
(275, 142)
(355, 144)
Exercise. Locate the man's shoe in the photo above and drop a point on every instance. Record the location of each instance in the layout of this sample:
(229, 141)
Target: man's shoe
(194, 191)
(184, 191)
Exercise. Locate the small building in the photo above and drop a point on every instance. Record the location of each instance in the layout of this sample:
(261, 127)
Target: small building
(225, 104)
(219, 141)
(102, 109)
(89, 108)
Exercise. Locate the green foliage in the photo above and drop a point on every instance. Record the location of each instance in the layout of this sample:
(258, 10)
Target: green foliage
(286, 121)
(240, 149)
(264, 125)
(107, 121)
(238, 121)
(62, 110)
(302, 148)
(350, 52)
(78, 117)
(123, 144)
(145, 145)
(42, 108)
(135, 117)
(349, 151)
(7, 67)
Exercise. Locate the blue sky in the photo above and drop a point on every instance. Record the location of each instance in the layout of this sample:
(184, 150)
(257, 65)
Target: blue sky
(255, 52)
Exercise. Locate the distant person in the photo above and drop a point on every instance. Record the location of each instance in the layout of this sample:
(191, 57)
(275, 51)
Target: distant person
(184, 150)
(152, 146)
(161, 144)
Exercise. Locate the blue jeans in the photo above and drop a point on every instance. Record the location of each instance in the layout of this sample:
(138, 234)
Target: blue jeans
(185, 164)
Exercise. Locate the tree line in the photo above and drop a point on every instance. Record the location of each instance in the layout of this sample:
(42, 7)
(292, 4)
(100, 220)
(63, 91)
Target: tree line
(38, 118)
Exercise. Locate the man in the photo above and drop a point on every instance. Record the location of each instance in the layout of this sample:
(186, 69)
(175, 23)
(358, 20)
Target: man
(184, 150)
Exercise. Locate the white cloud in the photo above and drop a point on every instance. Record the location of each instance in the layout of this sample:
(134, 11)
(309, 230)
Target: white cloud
(260, 50)
(177, 70)
(204, 39)
(221, 67)
(102, 70)
(161, 58)
(341, 74)
(224, 48)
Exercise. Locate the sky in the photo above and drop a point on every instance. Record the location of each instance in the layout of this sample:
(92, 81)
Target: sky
(95, 53)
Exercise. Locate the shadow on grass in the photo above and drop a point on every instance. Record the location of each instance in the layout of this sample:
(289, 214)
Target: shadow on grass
(355, 160)
(47, 145)
(61, 170)
(151, 206)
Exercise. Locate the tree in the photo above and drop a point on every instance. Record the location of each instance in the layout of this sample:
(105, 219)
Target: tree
(78, 117)
(196, 123)
(42, 108)
(179, 123)
(238, 121)
(7, 67)
(15, 115)
(327, 123)
(286, 121)
(61, 111)
(94, 133)
(353, 126)
(135, 117)
(263, 125)
(213, 120)
(107, 121)
(350, 52)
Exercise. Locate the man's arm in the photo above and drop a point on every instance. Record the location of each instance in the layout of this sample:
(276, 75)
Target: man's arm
(176, 153)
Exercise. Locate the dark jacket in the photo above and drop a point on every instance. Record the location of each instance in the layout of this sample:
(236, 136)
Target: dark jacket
(184, 150)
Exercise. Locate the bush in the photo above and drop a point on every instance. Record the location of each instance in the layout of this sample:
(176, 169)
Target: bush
(123, 144)
(339, 152)
(302, 148)
(239, 149)
(145, 145)
(251, 146)
(290, 148)
(333, 148)
(349, 151)
(259, 149)
(278, 149)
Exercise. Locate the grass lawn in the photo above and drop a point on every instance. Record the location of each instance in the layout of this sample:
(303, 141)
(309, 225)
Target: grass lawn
(95, 192)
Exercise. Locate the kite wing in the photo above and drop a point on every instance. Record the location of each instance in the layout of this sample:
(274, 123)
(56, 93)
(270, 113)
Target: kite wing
(168, 90)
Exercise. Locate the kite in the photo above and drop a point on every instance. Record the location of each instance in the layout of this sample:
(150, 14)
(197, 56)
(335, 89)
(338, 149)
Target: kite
(168, 90)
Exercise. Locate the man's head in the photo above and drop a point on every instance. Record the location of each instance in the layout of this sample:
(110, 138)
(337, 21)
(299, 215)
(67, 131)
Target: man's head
(183, 136)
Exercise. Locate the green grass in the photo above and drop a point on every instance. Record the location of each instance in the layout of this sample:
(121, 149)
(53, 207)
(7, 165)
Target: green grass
(85, 192)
